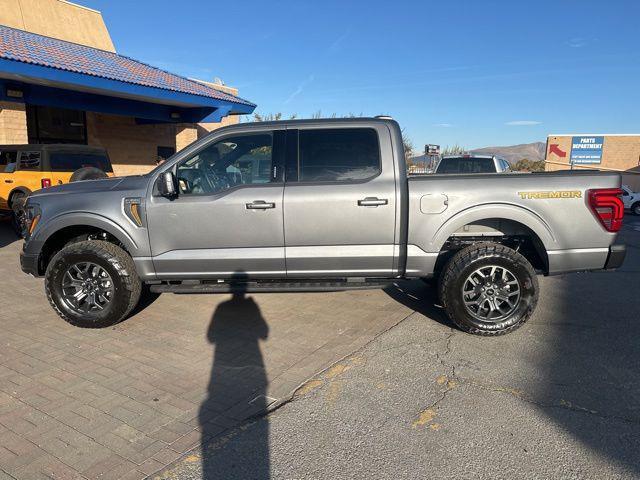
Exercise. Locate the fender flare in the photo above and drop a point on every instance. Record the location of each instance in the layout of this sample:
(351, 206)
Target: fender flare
(80, 219)
(24, 190)
(503, 211)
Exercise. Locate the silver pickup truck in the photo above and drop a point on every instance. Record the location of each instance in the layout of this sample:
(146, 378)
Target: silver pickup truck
(317, 205)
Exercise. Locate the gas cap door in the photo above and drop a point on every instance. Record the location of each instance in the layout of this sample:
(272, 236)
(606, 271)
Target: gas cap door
(434, 203)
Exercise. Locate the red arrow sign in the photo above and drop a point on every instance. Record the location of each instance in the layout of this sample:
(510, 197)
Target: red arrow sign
(555, 148)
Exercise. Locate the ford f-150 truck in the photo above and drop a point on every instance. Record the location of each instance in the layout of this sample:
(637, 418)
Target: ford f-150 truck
(317, 205)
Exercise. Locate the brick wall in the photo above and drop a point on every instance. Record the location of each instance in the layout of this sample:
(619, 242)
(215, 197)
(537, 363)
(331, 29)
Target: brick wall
(132, 148)
(620, 153)
(186, 134)
(13, 123)
(206, 128)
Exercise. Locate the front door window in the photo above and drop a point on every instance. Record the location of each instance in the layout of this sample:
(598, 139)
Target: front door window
(235, 161)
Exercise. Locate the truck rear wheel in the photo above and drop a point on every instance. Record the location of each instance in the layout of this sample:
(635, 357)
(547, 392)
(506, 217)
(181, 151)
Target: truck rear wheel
(488, 289)
(92, 284)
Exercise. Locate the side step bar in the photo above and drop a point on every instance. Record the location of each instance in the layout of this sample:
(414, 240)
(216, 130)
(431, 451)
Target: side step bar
(270, 286)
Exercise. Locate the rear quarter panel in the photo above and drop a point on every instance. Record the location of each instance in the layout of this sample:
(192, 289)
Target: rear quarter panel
(20, 180)
(569, 231)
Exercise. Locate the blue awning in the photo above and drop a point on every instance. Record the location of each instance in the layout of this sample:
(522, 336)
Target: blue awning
(41, 70)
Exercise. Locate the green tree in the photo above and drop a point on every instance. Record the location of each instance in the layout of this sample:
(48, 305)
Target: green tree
(453, 150)
(271, 117)
(408, 147)
(526, 165)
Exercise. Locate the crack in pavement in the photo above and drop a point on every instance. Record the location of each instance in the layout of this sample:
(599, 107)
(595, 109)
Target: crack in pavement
(515, 392)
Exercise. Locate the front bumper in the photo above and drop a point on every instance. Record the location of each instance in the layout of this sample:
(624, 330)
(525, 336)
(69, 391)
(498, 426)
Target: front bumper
(615, 259)
(29, 263)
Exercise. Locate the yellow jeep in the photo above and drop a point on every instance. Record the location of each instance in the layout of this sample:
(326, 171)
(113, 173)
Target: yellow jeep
(26, 168)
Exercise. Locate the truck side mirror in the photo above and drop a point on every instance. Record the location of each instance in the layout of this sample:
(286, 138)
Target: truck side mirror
(167, 184)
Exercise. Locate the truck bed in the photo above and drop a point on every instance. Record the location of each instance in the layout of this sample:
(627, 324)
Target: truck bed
(551, 205)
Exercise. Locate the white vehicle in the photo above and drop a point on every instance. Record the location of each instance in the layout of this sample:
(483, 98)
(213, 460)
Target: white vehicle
(462, 164)
(631, 200)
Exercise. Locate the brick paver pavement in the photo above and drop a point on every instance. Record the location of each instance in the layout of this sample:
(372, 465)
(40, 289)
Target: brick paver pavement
(126, 401)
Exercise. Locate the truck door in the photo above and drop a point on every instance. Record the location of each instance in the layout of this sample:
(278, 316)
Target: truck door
(8, 164)
(340, 202)
(227, 218)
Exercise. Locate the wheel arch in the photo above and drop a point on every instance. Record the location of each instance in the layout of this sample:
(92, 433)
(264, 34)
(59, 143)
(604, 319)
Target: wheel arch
(57, 232)
(24, 190)
(506, 212)
(501, 224)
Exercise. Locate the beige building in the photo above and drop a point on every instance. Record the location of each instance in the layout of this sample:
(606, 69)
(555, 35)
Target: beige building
(606, 152)
(62, 81)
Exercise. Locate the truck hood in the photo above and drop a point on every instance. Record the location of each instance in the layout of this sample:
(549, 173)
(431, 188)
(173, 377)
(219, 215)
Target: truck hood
(94, 186)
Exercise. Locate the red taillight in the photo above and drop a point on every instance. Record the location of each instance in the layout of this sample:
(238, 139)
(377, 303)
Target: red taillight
(607, 205)
(45, 182)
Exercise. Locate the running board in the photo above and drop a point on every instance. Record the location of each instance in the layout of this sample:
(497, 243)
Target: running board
(270, 286)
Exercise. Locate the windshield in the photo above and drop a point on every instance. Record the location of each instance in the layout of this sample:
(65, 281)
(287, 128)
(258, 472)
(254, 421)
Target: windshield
(466, 165)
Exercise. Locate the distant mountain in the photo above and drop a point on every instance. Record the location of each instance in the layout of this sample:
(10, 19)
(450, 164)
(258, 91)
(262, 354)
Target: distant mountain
(513, 153)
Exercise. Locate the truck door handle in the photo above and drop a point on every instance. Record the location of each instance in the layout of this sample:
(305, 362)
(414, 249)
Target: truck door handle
(372, 202)
(260, 205)
(8, 181)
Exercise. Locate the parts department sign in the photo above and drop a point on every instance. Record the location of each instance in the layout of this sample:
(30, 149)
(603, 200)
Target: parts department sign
(586, 150)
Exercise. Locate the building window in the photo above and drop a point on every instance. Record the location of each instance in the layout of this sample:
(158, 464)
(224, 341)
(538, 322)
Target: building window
(164, 153)
(56, 125)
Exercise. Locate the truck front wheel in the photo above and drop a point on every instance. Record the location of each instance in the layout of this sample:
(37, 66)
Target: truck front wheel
(92, 284)
(488, 289)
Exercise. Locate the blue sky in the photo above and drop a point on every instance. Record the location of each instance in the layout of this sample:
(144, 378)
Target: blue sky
(468, 72)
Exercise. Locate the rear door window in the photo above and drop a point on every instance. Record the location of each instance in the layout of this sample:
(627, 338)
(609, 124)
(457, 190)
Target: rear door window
(29, 160)
(338, 155)
(8, 161)
(70, 162)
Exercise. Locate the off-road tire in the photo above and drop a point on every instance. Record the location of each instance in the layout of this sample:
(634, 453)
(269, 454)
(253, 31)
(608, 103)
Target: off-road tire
(118, 264)
(635, 208)
(17, 202)
(469, 259)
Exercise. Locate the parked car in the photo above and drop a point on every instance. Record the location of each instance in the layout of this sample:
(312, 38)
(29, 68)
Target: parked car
(472, 164)
(334, 210)
(631, 200)
(26, 168)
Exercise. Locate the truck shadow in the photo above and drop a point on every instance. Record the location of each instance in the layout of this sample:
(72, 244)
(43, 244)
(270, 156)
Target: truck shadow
(421, 297)
(7, 235)
(589, 381)
(585, 370)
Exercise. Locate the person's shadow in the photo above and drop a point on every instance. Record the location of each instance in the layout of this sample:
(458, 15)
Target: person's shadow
(237, 389)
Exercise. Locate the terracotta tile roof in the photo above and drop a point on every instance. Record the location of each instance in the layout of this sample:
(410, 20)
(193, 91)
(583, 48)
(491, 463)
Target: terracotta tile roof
(32, 48)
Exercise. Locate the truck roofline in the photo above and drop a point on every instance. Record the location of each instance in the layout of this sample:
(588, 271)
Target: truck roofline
(309, 121)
